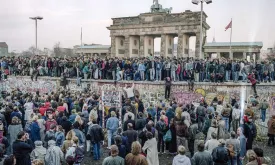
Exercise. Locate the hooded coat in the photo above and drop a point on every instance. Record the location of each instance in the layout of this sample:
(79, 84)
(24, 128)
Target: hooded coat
(54, 154)
(39, 152)
(181, 160)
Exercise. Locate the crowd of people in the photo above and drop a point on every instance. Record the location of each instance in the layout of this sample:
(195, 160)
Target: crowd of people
(64, 127)
(140, 69)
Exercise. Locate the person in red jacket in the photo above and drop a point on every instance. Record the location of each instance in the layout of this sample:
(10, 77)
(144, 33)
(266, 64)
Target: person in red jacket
(251, 78)
(42, 109)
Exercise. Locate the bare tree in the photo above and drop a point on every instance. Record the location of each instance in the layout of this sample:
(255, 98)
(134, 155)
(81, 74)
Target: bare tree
(271, 55)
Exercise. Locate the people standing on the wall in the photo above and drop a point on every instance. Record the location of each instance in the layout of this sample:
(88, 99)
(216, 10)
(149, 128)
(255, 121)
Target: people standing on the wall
(168, 84)
(251, 78)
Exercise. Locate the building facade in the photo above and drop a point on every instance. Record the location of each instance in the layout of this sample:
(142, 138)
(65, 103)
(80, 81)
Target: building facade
(93, 50)
(239, 50)
(134, 36)
(4, 49)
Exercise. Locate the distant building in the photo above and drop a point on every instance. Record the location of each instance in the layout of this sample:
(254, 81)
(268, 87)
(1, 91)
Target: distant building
(4, 49)
(64, 52)
(240, 50)
(94, 50)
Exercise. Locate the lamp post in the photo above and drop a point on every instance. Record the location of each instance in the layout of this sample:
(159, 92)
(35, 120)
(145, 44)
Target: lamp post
(196, 2)
(36, 18)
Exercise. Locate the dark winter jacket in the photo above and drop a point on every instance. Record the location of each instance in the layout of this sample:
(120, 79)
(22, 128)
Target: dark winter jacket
(21, 151)
(95, 133)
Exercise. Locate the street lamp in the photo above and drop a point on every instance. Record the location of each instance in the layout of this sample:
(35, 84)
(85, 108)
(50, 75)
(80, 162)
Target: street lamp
(196, 2)
(36, 18)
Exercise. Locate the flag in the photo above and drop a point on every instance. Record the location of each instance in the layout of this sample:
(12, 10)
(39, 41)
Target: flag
(229, 25)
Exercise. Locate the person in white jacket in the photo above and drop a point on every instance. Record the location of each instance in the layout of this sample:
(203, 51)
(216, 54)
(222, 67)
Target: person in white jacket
(29, 109)
(181, 159)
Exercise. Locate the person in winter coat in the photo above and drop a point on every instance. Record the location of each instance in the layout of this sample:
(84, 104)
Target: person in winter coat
(226, 114)
(221, 126)
(162, 128)
(14, 129)
(95, 134)
(50, 135)
(181, 159)
(242, 139)
(66, 124)
(140, 122)
(68, 142)
(212, 143)
(202, 157)
(213, 128)
(112, 126)
(59, 136)
(151, 150)
(271, 130)
(129, 120)
(21, 149)
(250, 132)
(135, 157)
(35, 130)
(173, 142)
(28, 109)
(220, 154)
(54, 155)
(131, 134)
(168, 84)
(252, 158)
(49, 122)
(251, 78)
(41, 122)
(39, 152)
(79, 134)
(114, 159)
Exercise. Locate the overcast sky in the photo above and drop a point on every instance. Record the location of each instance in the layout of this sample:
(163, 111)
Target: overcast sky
(253, 20)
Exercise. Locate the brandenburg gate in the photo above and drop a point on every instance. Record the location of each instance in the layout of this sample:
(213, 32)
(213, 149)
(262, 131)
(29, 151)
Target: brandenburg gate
(134, 36)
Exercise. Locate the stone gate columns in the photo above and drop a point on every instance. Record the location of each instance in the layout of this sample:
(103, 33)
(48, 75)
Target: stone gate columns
(113, 46)
(148, 45)
(119, 50)
(141, 46)
(167, 45)
(163, 45)
(134, 46)
(127, 46)
(183, 45)
(197, 48)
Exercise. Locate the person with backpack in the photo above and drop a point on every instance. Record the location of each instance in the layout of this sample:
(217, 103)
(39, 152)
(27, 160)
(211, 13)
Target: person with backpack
(220, 154)
(271, 130)
(233, 146)
(263, 107)
(75, 152)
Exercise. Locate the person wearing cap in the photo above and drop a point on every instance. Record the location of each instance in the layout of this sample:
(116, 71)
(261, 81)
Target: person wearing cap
(39, 152)
(114, 159)
(181, 158)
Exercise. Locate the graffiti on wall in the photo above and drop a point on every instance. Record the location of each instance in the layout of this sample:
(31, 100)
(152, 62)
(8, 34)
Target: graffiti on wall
(28, 86)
